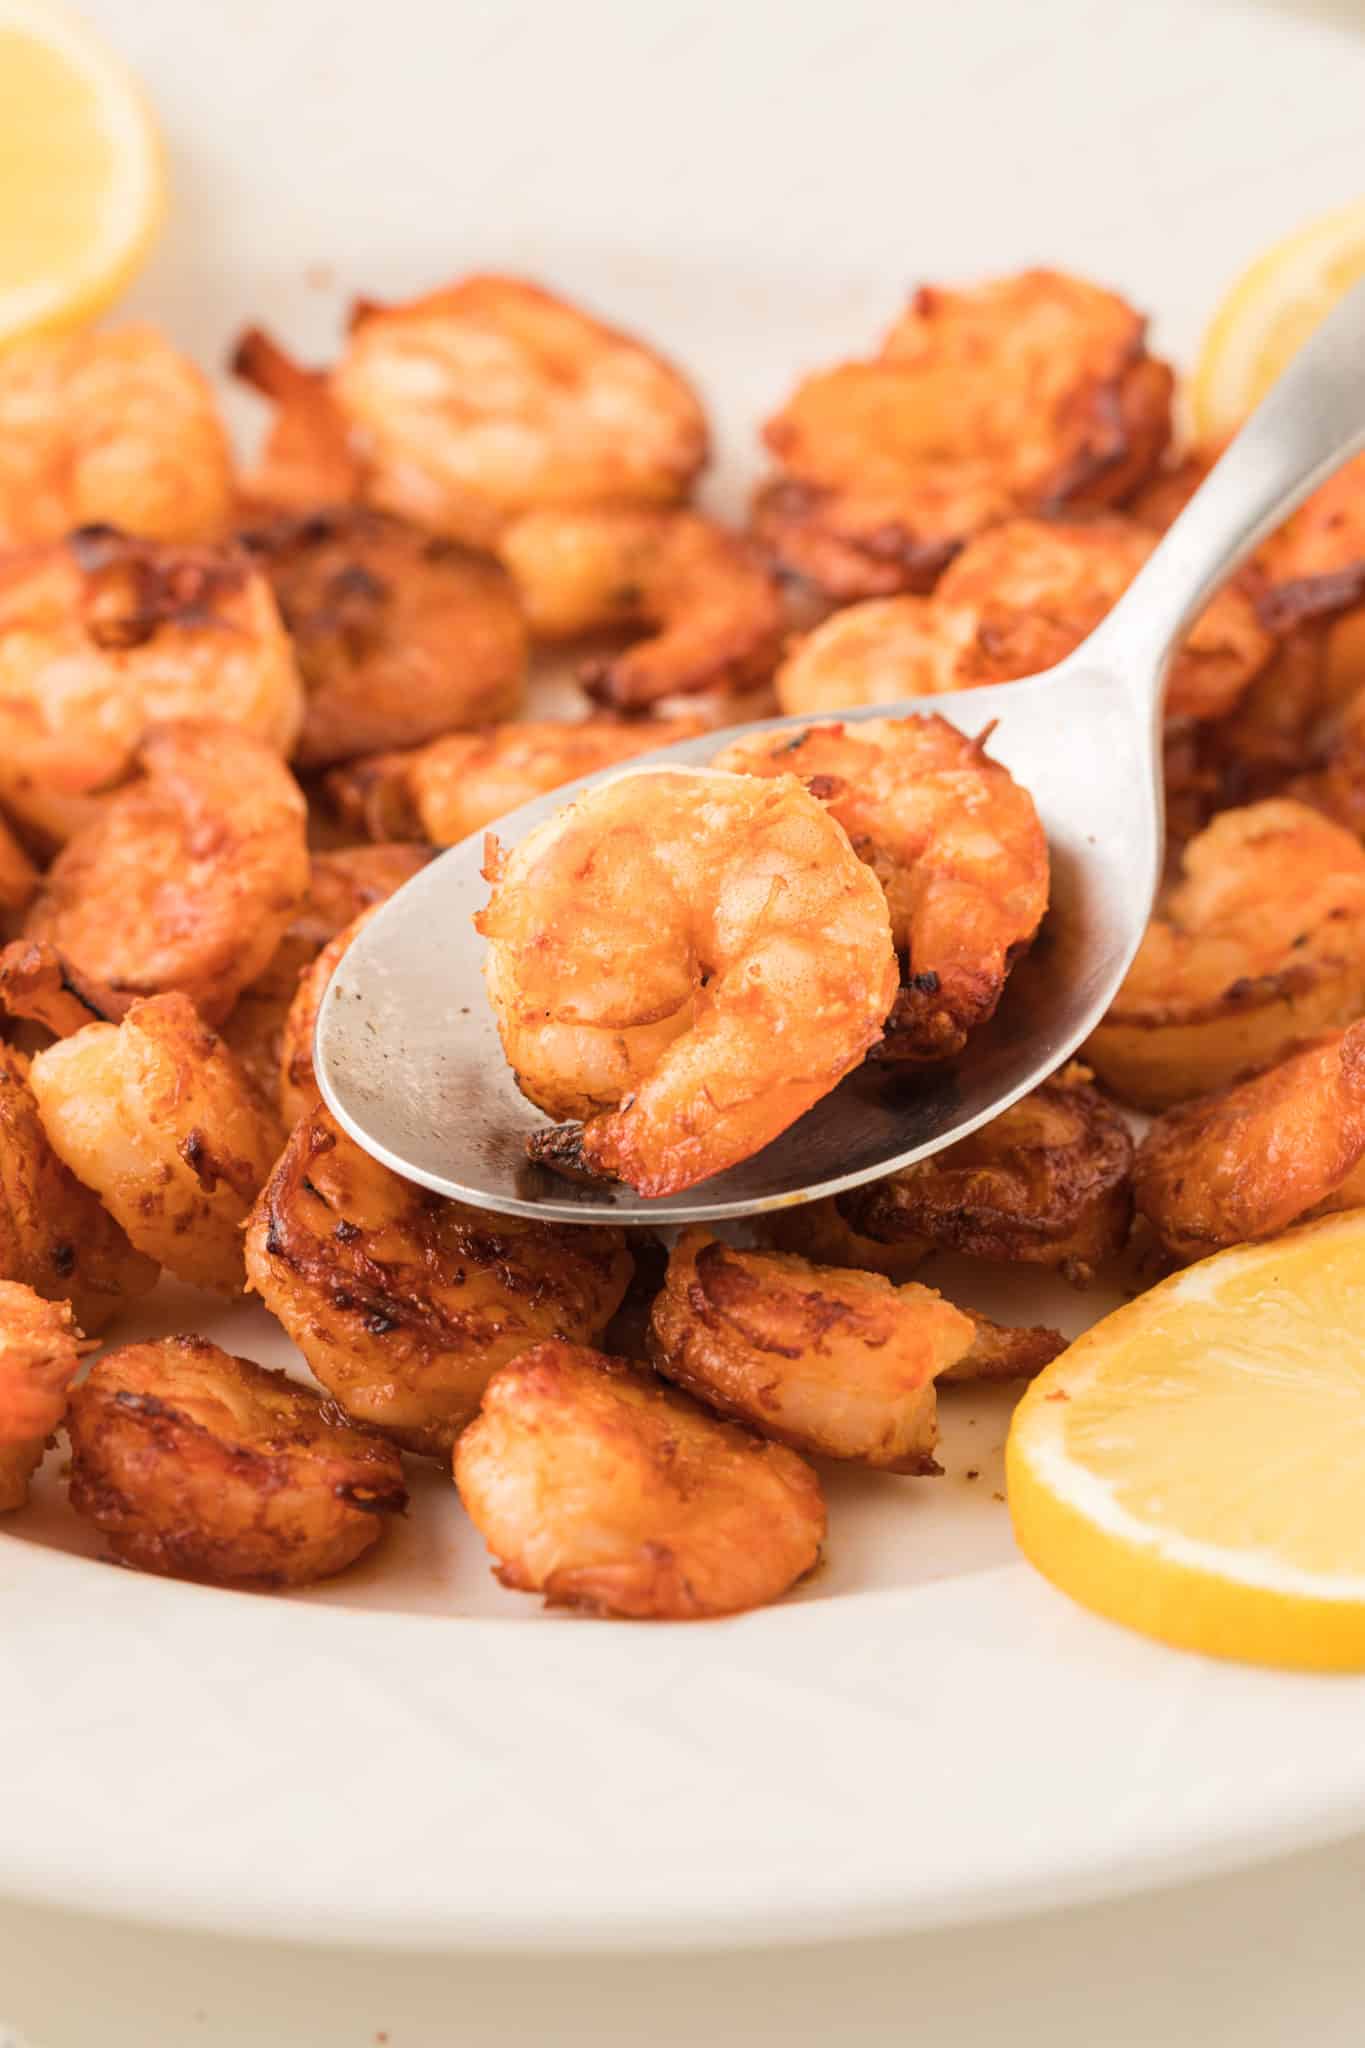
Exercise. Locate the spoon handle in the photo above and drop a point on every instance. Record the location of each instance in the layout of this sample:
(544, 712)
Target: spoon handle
(1310, 422)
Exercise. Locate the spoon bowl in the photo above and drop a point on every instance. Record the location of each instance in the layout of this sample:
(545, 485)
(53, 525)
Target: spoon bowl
(407, 1053)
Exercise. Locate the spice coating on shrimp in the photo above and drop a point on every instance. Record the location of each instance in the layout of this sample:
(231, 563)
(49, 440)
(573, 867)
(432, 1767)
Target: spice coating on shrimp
(447, 790)
(40, 1349)
(402, 1302)
(1045, 1182)
(1251, 1159)
(295, 1081)
(713, 610)
(103, 637)
(188, 879)
(157, 1117)
(491, 396)
(1017, 600)
(833, 1362)
(598, 1486)
(55, 1235)
(1025, 394)
(1259, 941)
(955, 843)
(399, 635)
(307, 459)
(115, 428)
(685, 960)
(204, 1466)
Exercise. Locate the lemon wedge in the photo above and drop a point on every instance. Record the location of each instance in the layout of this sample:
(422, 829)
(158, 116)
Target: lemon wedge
(1194, 1466)
(1268, 315)
(81, 187)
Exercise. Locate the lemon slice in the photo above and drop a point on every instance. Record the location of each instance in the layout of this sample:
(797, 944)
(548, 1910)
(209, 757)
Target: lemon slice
(1269, 314)
(1194, 1465)
(81, 190)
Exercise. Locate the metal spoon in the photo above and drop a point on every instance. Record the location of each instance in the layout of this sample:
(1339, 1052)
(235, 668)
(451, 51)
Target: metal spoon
(407, 1054)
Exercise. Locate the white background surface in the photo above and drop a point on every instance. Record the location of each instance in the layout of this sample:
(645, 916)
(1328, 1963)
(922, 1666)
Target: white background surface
(1234, 141)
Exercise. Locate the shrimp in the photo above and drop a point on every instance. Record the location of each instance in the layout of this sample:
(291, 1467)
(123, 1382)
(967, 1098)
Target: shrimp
(713, 610)
(102, 637)
(199, 1465)
(1258, 942)
(955, 843)
(1312, 567)
(307, 459)
(490, 396)
(1015, 601)
(40, 1349)
(295, 1082)
(1250, 1159)
(731, 962)
(399, 635)
(19, 878)
(453, 787)
(188, 879)
(1028, 394)
(836, 1363)
(113, 428)
(403, 1303)
(270, 1028)
(342, 883)
(597, 1486)
(1315, 563)
(55, 1236)
(820, 1232)
(1047, 1182)
(343, 886)
(157, 1117)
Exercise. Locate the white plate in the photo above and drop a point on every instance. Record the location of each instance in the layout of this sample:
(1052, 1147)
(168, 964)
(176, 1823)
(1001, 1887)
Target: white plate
(926, 1733)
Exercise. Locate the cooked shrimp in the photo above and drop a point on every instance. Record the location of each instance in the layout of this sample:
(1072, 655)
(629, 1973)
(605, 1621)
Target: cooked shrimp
(40, 1348)
(1247, 1161)
(19, 877)
(112, 428)
(342, 884)
(1259, 941)
(203, 1466)
(1315, 562)
(37, 984)
(1169, 489)
(597, 1486)
(269, 1038)
(1046, 1182)
(955, 843)
(731, 962)
(307, 459)
(399, 635)
(820, 1232)
(833, 1362)
(157, 1117)
(188, 879)
(403, 1303)
(55, 1236)
(713, 611)
(491, 396)
(456, 785)
(1027, 394)
(296, 1086)
(1333, 781)
(1002, 1351)
(102, 637)
(1016, 600)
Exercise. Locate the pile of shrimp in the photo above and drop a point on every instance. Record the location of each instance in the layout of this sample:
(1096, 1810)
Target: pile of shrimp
(241, 705)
